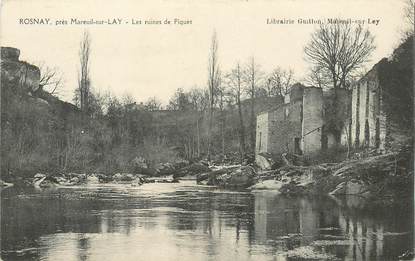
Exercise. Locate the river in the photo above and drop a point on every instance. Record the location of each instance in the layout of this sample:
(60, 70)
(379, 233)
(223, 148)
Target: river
(185, 221)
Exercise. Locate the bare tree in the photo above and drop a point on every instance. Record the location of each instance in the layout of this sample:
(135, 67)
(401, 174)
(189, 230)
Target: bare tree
(197, 100)
(409, 12)
(221, 97)
(252, 78)
(339, 50)
(152, 104)
(279, 82)
(213, 82)
(84, 80)
(127, 99)
(51, 79)
(234, 80)
(318, 77)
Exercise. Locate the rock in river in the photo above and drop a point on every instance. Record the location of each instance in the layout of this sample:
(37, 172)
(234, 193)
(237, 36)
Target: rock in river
(92, 179)
(267, 184)
(193, 169)
(5, 184)
(165, 168)
(43, 181)
(123, 177)
(234, 177)
(265, 161)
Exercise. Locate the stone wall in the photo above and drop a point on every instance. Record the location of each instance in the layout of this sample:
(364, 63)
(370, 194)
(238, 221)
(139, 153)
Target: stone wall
(363, 95)
(336, 117)
(313, 119)
(262, 133)
(382, 102)
(294, 118)
(354, 114)
(277, 130)
(296, 92)
(368, 128)
(285, 128)
(343, 115)
(282, 130)
(298, 125)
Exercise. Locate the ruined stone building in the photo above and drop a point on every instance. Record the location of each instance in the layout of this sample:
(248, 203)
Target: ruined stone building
(301, 125)
(376, 113)
(368, 120)
(382, 102)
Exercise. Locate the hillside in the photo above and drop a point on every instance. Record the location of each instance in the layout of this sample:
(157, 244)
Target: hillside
(41, 133)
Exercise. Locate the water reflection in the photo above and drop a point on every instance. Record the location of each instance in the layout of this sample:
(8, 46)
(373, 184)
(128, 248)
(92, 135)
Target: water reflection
(188, 222)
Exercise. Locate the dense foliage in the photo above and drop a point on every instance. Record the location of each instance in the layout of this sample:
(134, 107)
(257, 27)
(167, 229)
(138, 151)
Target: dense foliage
(40, 133)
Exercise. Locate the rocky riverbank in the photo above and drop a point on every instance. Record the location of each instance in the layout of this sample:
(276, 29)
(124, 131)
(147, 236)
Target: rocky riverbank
(384, 176)
(74, 179)
(160, 173)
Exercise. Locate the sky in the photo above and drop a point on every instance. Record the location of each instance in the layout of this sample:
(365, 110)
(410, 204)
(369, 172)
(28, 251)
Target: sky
(154, 60)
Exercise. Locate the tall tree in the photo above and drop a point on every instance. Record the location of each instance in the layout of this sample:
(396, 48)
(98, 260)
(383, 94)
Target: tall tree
(279, 82)
(51, 79)
(197, 99)
(84, 80)
(339, 50)
(234, 80)
(252, 77)
(213, 82)
(221, 97)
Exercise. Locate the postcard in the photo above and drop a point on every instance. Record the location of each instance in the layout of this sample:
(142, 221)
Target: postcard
(207, 130)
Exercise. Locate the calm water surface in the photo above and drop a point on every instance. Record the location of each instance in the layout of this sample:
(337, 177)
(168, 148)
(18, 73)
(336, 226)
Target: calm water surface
(189, 222)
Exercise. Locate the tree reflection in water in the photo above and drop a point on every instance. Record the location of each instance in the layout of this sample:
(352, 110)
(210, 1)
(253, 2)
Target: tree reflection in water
(185, 221)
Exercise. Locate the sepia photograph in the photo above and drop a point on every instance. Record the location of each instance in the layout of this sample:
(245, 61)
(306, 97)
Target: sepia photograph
(207, 130)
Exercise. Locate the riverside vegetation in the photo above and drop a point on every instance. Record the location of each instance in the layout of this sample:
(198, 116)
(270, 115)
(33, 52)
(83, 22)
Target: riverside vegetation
(48, 142)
